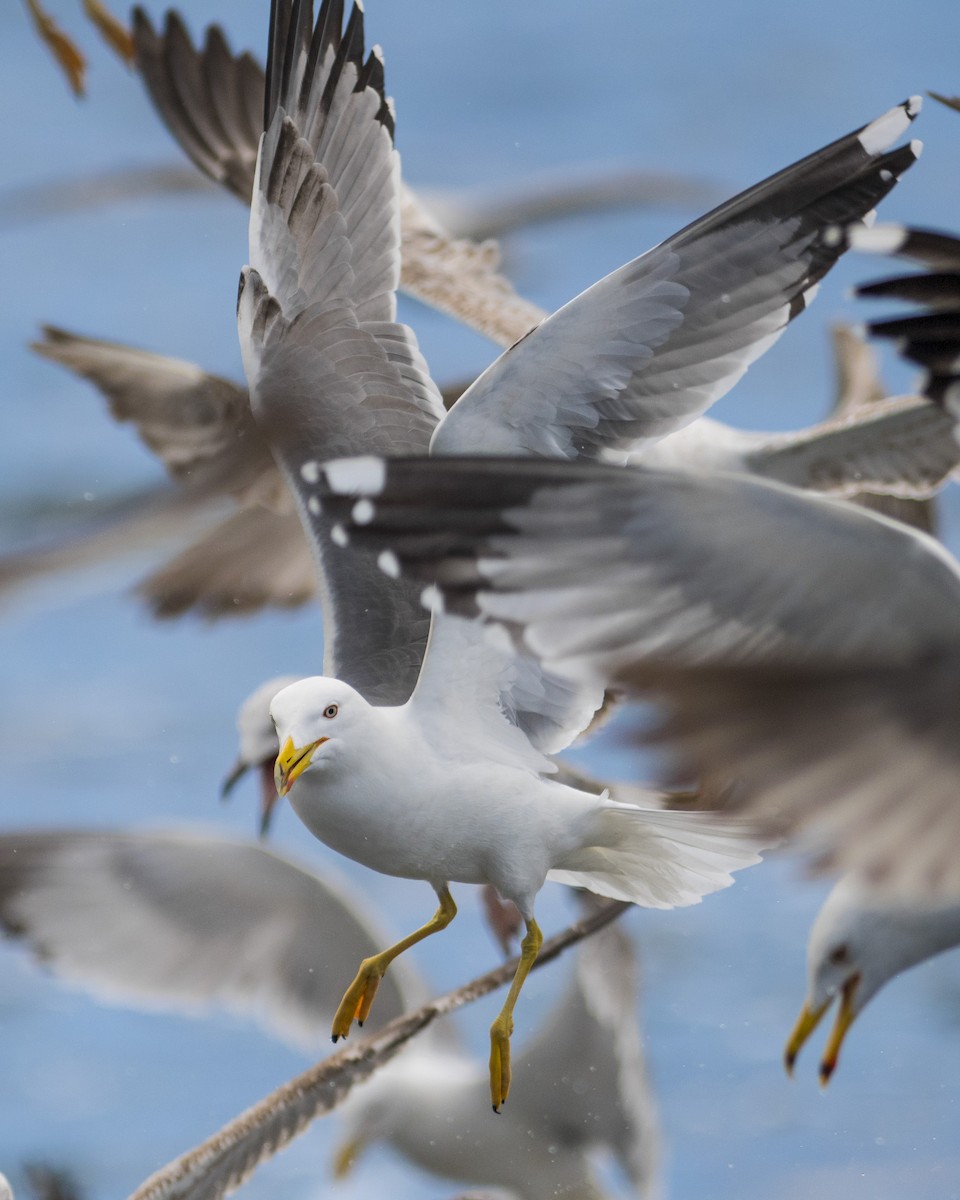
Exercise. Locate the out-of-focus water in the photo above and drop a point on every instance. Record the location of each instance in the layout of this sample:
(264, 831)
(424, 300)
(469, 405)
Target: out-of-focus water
(110, 720)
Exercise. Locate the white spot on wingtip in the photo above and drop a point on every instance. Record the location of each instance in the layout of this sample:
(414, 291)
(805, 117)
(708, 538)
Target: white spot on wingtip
(313, 504)
(310, 472)
(362, 512)
(880, 134)
(432, 598)
(881, 239)
(869, 219)
(833, 236)
(916, 145)
(389, 564)
(912, 105)
(810, 294)
(339, 536)
(351, 476)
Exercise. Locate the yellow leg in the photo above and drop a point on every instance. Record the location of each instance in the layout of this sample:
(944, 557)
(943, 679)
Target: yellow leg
(502, 1027)
(358, 998)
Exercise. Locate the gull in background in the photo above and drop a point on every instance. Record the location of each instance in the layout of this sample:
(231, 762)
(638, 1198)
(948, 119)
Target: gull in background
(389, 752)
(190, 921)
(858, 943)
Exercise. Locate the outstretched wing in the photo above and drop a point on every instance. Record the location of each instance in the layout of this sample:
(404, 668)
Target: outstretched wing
(212, 101)
(198, 425)
(328, 366)
(931, 338)
(653, 345)
(187, 921)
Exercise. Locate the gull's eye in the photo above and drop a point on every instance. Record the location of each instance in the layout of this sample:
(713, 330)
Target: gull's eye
(331, 711)
(839, 955)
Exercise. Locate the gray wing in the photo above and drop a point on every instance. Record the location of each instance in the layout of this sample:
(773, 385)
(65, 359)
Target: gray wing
(329, 368)
(898, 447)
(209, 98)
(806, 648)
(931, 337)
(198, 425)
(252, 559)
(213, 102)
(186, 921)
(652, 346)
(592, 1037)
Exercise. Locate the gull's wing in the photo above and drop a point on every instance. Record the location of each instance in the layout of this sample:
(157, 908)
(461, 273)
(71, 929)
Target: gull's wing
(209, 98)
(213, 102)
(584, 1076)
(185, 921)
(898, 447)
(650, 347)
(252, 559)
(328, 366)
(807, 648)
(930, 339)
(597, 561)
(198, 425)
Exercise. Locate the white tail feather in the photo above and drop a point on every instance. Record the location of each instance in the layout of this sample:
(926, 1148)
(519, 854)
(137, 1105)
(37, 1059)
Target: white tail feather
(659, 859)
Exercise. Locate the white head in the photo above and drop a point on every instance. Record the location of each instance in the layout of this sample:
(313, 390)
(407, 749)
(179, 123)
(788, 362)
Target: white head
(858, 942)
(313, 719)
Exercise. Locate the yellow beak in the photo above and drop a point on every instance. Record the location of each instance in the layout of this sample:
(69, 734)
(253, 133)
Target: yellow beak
(845, 1018)
(346, 1155)
(291, 763)
(807, 1022)
(810, 1018)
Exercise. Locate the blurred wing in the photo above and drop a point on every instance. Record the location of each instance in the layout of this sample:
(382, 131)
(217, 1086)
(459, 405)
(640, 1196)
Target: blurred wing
(592, 1036)
(186, 921)
(858, 376)
(805, 648)
(900, 447)
(596, 567)
(653, 345)
(930, 339)
(198, 425)
(210, 99)
(329, 368)
(254, 559)
(864, 764)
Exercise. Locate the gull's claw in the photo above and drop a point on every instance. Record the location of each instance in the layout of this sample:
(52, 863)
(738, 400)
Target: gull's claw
(500, 1032)
(359, 996)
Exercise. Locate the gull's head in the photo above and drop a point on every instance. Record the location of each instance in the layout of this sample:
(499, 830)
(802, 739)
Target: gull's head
(258, 745)
(858, 942)
(312, 718)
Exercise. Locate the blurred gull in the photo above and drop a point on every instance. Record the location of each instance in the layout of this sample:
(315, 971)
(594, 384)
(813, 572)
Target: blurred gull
(858, 943)
(184, 920)
(386, 759)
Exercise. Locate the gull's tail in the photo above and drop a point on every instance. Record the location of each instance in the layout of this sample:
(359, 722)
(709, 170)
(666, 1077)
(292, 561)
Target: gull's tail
(659, 859)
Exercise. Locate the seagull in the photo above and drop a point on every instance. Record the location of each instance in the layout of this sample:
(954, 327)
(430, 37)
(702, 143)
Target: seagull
(435, 767)
(858, 943)
(806, 648)
(191, 921)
